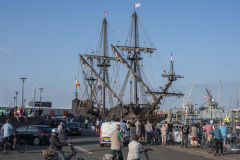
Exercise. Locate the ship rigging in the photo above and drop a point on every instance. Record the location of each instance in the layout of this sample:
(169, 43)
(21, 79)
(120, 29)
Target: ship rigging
(104, 72)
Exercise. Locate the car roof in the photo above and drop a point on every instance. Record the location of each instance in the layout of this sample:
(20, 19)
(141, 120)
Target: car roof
(39, 126)
(116, 122)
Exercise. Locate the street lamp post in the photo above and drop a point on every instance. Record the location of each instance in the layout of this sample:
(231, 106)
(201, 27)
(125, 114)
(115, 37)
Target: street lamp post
(7, 101)
(41, 97)
(14, 101)
(23, 79)
(16, 97)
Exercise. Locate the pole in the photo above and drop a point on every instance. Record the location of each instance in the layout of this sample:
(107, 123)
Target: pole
(238, 97)
(7, 102)
(41, 97)
(14, 101)
(34, 97)
(23, 79)
(16, 97)
(234, 124)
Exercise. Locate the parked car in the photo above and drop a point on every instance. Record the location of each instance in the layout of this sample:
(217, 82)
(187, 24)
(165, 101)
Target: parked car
(107, 128)
(1, 134)
(72, 128)
(35, 134)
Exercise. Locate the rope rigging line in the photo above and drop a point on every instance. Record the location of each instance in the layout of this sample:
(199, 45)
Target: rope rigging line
(152, 45)
(142, 90)
(173, 102)
(148, 75)
(123, 32)
(130, 34)
(91, 42)
(109, 95)
(163, 103)
(85, 83)
(114, 34)
(146, 80)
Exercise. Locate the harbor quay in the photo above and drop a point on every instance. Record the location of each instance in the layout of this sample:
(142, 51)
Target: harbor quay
(88, 148)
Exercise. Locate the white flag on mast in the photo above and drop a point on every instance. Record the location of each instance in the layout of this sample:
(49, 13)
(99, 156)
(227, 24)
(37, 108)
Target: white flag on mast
(137, 4)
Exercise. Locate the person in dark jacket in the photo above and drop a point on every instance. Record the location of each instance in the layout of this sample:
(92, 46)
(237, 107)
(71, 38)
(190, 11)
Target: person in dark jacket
(185, 132)
(56, 144)
(219, 142)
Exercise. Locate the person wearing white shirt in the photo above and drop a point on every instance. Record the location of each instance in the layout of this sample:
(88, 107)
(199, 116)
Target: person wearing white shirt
(134, 149)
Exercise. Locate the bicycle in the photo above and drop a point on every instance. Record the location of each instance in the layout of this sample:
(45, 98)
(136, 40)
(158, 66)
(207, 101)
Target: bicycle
(212, 146)
(146, 153)
(21, 145)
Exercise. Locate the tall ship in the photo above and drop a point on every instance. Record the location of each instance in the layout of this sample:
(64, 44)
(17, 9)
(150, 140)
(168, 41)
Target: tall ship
(118, 81)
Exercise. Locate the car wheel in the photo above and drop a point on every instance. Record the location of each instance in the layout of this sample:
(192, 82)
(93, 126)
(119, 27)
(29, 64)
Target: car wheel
(36, 141)
(101, 145)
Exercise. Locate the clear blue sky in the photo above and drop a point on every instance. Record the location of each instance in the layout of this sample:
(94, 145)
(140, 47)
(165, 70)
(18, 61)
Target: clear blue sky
(42, 39)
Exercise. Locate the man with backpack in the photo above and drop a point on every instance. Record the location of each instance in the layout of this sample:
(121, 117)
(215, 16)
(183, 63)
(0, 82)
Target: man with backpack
(185, 132)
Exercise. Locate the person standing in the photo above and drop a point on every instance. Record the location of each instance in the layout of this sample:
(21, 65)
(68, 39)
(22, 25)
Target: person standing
(224, 131)
(185, 132)
(170, 133)
(208, 128)
(138, 128)
(194, 135)
(148, 129)
(218, 136)
(142, 131)
(123, 127)
(116, 142)
(86, 123)
(97, 127)
(164, 134)
(93, 124)
(29, 112)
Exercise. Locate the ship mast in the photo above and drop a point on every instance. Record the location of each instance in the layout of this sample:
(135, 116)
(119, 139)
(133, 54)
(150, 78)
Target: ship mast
(104, 62)
(135, 56)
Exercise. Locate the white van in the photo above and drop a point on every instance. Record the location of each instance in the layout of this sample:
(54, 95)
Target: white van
(107, 128)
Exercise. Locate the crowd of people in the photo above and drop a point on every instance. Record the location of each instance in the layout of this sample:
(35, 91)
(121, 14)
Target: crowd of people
(20, 112)
(143, 132)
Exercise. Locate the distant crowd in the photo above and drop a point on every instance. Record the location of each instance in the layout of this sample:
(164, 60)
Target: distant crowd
(20, 112)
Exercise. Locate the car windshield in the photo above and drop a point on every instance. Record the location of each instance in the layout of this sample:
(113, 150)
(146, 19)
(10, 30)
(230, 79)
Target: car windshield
(71, 125)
